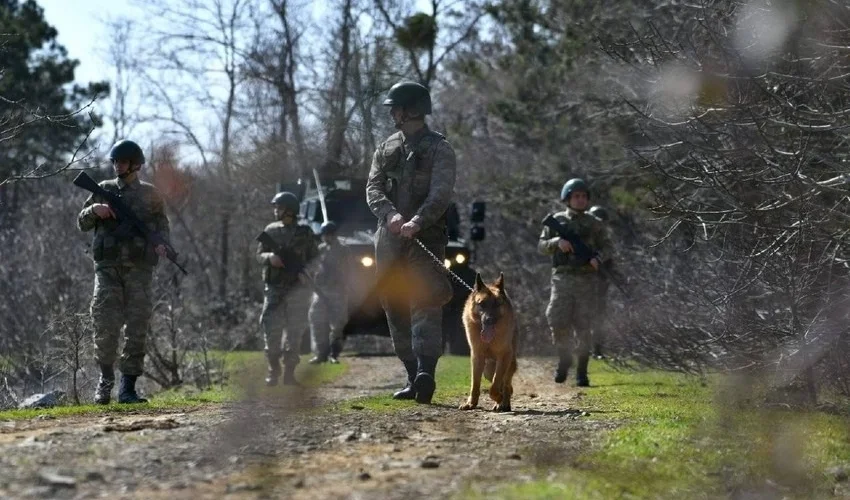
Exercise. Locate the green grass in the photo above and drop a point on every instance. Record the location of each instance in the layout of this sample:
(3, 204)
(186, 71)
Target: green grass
(678, 439)
(453, 378)
(245, 371)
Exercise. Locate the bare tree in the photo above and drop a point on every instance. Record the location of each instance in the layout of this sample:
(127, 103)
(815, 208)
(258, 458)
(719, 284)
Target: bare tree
(204, 41)
(71, 335)
(417, 34)
(273, 61)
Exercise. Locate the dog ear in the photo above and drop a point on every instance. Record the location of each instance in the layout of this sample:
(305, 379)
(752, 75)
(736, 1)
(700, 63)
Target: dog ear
(500, 283)
(479, 283)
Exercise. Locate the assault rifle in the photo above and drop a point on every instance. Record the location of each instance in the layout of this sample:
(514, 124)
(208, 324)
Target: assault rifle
(583, 252)
(293, 266)
(128, 221)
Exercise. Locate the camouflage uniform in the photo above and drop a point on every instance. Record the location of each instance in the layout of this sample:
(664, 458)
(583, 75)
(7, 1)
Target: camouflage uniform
(329, 308)
(123, 263)
(415, 177)
(286, 299)
(573, 300)
(601, 323)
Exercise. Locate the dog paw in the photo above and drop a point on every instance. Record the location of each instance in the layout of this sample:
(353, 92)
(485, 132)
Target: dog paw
(500, 407)
(467, 406)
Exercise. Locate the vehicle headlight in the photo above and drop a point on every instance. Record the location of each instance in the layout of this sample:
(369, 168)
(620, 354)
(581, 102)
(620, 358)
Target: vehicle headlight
(447, 263)
(460, 258)
(367, 261)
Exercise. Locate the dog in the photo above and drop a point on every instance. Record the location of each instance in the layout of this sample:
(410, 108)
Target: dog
(491, 331)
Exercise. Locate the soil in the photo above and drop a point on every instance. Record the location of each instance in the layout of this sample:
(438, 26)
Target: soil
(290, 446)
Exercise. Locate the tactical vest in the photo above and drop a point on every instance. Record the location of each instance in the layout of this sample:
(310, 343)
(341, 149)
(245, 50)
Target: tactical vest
(409, 171)
(584, 232)
(296, 239)
(115, 241)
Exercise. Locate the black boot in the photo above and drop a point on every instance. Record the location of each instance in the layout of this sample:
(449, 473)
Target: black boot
(127, 391)
(274, 370)
(581, 371)
(597, 351)
(425, 382)
(408, 392)
(564, 362)
(318, 359)
(336, 349)
(289, 374)
(103, 393)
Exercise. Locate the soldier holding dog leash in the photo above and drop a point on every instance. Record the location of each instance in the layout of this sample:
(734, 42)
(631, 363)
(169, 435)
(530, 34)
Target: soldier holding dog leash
(409, 189)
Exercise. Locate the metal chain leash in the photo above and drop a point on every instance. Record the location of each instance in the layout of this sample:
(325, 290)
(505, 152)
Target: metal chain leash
(442, 265)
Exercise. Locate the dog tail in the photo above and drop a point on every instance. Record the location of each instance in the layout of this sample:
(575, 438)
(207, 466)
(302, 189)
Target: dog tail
(489, 369)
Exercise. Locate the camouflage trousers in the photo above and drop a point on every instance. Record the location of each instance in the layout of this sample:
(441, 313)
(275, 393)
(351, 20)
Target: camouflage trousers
(601, 323)
(413, 291)
(122, 300)
(328, 316)
(284, 320)
(571, 313)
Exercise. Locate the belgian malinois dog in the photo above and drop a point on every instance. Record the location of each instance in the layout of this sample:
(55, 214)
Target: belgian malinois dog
(491, 330)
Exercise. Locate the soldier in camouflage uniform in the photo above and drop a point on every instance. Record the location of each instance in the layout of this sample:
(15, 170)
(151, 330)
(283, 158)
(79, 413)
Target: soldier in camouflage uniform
(574, 282)
(286, 294)
(329, 308)
(601, 326)
(409, 189)
(123, 272)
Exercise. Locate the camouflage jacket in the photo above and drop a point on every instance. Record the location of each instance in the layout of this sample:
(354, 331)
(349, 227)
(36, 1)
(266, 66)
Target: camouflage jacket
(332, 267)
(112, 246)
(296, 238)
(414, 176)
(590, 230)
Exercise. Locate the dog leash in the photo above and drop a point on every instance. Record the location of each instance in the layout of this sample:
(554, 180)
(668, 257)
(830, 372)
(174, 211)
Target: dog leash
(441, 265)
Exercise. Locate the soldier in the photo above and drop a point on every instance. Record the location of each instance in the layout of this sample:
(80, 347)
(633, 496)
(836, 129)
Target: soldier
(329, 308)
(286, 294)
(600, 329)
(123, 272)
(409, 189)
(571, 304)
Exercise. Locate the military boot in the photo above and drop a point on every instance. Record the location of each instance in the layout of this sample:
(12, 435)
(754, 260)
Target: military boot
(320, 358)
(597, 351)
(127, 391)
(425, 382)
(274, 370)
(564, 362)
(103, 393)
(408, 392)
(581, 371)
(336, 349)
(289, 374)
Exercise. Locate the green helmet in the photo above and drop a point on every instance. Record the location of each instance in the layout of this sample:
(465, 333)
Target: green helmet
(127, 150)
(574, 185)
(599, 212)
(286, 200)
(328, 227)
(410, 95)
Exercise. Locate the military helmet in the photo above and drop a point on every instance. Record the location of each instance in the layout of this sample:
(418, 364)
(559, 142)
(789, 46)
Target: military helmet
(599, 212)
(571, 185)
(328, 227)
(286, 200)
(410, 95)
(127, 150)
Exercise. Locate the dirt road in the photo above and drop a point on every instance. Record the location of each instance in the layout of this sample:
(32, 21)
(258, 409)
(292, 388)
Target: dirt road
(292, 447)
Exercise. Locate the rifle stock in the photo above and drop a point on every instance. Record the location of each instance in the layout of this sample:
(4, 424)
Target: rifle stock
(127, 217)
